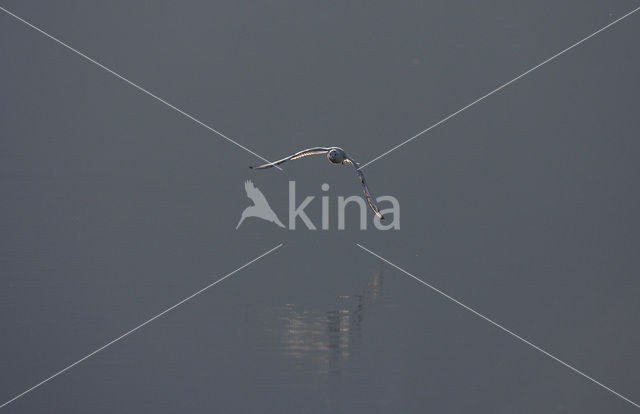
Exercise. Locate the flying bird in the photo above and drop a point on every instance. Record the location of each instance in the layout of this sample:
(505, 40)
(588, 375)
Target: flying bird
(336, 155)
(260, 207)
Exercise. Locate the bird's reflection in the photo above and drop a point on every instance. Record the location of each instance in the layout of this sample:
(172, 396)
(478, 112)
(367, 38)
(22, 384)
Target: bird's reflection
(326, 339)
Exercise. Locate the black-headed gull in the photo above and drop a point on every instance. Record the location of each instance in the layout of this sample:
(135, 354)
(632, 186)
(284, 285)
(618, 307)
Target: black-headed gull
(336, 155)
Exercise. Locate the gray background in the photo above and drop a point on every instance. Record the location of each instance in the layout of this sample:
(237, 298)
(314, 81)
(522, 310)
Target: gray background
(115, 207)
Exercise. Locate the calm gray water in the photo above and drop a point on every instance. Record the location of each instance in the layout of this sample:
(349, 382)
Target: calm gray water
(115, 207)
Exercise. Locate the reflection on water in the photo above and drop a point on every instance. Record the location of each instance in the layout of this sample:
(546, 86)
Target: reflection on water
(327, 338)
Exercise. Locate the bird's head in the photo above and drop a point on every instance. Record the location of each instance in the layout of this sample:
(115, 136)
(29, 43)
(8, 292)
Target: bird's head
(335, 156)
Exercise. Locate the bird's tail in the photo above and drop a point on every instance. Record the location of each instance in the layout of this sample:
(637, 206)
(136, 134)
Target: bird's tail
(241, 220)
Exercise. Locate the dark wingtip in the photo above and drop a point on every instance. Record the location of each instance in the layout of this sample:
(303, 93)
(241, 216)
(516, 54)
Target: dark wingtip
(251, 167)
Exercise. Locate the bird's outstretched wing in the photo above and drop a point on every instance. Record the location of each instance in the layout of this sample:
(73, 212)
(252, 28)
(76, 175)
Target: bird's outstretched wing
(254, 194)
(367, 195)
(365, 188)
(299, 154)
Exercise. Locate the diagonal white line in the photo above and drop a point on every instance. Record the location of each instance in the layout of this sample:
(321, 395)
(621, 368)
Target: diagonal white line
(139, 326)
(534, 346)
(135, 85)
(500, 87)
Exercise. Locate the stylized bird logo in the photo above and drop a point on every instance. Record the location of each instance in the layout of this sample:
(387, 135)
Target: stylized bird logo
(260, 207)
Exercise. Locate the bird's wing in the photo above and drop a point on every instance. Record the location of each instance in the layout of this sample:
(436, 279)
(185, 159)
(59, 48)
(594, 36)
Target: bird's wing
(299, 154)
(365, 188)
(367, 195)
(254, 194)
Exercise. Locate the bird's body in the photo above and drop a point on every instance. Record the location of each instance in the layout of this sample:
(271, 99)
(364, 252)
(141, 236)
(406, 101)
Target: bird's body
(260, 207)
(335, 155)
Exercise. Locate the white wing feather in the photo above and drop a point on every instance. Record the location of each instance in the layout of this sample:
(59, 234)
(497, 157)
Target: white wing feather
(299, 154)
